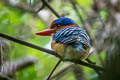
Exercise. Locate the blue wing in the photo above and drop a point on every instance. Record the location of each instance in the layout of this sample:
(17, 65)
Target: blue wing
(74, 36)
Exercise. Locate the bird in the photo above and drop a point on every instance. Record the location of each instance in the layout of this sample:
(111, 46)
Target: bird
(69, 40)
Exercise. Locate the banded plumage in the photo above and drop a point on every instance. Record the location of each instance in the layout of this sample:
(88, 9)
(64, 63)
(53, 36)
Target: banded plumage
(69, 40)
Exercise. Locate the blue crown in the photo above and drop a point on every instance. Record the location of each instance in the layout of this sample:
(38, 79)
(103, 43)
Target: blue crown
(64, 21)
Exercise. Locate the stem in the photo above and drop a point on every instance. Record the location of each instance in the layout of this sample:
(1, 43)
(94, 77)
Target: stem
(54, 69)
(56, 14)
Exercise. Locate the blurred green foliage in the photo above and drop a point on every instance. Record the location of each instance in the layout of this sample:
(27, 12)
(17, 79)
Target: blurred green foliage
(23, 25)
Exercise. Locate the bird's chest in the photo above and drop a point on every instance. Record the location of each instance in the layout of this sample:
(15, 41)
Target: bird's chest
(67, 51)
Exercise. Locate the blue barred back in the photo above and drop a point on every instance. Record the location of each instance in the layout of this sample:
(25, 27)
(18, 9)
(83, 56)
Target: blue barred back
(74, 36)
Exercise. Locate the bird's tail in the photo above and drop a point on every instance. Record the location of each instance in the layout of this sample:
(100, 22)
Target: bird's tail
(80, 48)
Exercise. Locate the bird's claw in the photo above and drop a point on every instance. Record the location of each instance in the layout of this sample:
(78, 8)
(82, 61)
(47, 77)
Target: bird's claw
(89, 61)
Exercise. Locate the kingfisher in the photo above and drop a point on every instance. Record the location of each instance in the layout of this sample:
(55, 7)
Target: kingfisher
(69, 40)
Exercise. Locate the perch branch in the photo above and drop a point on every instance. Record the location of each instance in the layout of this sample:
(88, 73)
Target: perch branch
(28, 44)
(49, 51)
(86, 64)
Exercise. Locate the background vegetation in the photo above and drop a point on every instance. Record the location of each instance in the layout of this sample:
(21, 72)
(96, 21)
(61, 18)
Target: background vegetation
(22, 18)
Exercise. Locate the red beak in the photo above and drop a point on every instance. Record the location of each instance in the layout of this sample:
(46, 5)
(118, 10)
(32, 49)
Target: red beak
(46, 32)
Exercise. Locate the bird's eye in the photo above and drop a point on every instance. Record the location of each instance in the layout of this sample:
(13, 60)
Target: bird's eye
(58, 25)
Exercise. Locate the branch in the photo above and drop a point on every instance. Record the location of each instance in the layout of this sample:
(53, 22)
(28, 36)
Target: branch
(1, 54)
(86, 64)
(98, 12)
(61, 72)
(83, 9)
(56, 14)
(48, 51)
(77, 12)
(4, 77)
(43, 5)
(9, 68)
(58, 63)
(29, 44)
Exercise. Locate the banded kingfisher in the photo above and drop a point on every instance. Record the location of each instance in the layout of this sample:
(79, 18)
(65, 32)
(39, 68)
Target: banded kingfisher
(68, 39)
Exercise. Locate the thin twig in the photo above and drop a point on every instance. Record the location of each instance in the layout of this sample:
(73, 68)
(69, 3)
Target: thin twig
(98, 12)
(56, 14)
(54, 69)
(77, 12)
(103, 25)
(61, 71)
(83, 9)
(1, 55)
(43, 5)
(80, 17)
(48, 51)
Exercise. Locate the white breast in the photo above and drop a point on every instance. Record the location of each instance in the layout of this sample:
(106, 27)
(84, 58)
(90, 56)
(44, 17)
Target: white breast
(71, 53)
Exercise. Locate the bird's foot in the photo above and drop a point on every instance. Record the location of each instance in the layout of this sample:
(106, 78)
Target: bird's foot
(89, 61)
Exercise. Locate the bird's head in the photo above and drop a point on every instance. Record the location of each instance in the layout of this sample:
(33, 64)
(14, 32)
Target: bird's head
(56, 25)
